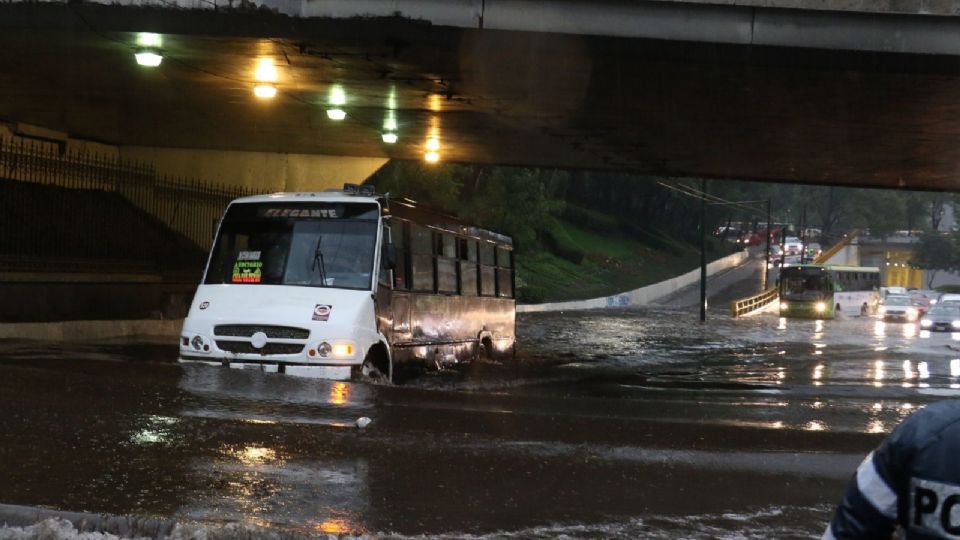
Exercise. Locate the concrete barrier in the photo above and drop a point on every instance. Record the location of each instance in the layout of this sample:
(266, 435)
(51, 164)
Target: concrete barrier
(643, 295)
(92, 330)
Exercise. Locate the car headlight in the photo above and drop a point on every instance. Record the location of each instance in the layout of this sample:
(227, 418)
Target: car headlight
(820, 307)
(882, 309)
(933, 302)
(784, 306)
(927, 322)
(911, 312)
(955, 324)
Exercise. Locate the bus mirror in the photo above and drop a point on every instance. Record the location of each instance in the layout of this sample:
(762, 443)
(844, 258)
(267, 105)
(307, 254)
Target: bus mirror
(390, 255)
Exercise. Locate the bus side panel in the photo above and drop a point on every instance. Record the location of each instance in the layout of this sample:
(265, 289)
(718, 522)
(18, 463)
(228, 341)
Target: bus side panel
(851, 303)
(450, 326)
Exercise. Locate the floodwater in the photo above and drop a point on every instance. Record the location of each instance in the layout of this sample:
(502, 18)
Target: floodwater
(629, 424)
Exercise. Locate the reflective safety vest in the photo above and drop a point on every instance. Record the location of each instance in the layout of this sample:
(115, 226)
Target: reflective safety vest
(912, 480)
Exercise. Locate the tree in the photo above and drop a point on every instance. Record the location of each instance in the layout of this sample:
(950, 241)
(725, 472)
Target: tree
(935, 252)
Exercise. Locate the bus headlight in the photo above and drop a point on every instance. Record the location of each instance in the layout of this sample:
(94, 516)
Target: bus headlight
(927, 322)
(955, 324)
(820, 307)
(337, 350)
(784, 306)
(343, 350)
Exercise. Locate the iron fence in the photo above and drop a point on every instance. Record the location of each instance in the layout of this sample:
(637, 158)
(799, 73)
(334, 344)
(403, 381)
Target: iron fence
(94, 207)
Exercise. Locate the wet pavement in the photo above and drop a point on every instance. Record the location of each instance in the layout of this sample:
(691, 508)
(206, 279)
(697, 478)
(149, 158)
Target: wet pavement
(630, 424)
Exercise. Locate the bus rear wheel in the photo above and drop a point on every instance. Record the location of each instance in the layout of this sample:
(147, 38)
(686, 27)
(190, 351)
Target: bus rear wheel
(484, 349)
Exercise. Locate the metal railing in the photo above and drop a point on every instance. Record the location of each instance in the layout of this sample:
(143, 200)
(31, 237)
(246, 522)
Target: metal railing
(77, 205)
(828, 254)
(739, 308)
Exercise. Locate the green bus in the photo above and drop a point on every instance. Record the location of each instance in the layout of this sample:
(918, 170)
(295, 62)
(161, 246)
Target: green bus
(822, 291)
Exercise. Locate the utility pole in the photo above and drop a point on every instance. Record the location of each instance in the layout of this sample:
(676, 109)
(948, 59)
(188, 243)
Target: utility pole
(703, 250)
(766, 252)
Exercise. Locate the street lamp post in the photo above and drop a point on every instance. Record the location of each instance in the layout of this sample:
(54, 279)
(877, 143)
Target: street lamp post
(703, 244)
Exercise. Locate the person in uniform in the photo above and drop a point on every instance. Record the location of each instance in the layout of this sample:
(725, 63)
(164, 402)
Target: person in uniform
(911, 482)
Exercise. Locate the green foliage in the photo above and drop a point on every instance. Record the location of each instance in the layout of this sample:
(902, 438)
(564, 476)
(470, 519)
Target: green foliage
(590, 219)
(936, 252)
(517, 202)
(558, 240)
(950, 289)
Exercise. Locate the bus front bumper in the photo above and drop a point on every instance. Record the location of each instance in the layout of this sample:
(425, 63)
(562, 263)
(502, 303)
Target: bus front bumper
(313, 371)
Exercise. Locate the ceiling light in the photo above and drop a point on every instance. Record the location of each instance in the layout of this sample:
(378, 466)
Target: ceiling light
(149, 39)
(266, 72)
(265, 91)
(337, 96)
(389, 137)
(148, 58)
(431, 157)
(336, 114)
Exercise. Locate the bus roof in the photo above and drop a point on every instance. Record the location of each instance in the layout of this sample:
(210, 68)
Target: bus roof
(842, 268)
(403, 209)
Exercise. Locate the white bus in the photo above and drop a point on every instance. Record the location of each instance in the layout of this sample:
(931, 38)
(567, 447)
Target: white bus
(346, 283)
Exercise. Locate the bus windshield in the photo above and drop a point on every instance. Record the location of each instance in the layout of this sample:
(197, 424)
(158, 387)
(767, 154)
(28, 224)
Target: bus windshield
(303, 245)
(805, 287)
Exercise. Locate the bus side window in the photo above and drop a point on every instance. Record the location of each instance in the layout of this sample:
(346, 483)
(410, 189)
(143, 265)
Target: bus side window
(504, 273)
(488, 277)
(468, 267)
(447, 264)
(398, 234)
(421, 258)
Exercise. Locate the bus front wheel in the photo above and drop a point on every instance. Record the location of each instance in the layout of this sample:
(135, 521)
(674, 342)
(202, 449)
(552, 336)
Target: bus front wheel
(376, 365)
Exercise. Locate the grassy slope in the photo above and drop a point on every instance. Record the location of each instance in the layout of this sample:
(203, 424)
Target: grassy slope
(613, 263)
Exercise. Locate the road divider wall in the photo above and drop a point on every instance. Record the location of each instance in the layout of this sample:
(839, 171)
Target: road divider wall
(92, 330)
(643, 295)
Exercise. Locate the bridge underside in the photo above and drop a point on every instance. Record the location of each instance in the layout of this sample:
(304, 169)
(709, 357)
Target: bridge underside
(487, 96)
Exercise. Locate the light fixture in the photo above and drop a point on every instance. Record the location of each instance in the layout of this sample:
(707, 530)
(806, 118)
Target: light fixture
(148, 57)
(336, 114)
(338, 96)
(433, 144)
(265, 91)
(149, 39)
(266, 71)
(432, 157)
(389, 137)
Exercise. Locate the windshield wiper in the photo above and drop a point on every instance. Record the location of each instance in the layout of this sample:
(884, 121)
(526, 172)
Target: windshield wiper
(318, 262)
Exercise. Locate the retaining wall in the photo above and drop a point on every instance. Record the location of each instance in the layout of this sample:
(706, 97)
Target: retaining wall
(93, 330)
(643, 295)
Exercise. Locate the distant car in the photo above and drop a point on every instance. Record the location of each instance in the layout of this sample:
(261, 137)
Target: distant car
(898, 308)
(944, 317)
(813, 250)
(793, 245)
(948, 298)
(921, 302)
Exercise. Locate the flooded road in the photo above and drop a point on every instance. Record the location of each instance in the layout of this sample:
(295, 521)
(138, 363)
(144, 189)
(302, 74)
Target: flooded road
(630, 424)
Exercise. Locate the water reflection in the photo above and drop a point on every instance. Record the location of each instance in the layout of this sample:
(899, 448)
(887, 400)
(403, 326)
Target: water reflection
(877, 373)
(880, 329)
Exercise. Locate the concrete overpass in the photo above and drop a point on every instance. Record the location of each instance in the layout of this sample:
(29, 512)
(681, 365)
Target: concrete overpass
(844, 92)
